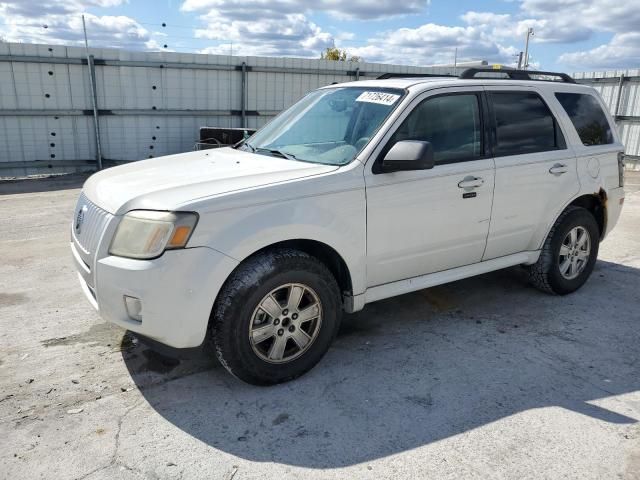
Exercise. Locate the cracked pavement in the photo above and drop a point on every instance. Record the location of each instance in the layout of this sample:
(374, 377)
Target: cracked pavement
(481, 378)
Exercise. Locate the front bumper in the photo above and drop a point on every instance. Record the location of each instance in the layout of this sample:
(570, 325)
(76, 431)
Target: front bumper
(177, 291)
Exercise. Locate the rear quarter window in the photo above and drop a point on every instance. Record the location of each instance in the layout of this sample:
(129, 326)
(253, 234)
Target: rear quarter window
(587, 117)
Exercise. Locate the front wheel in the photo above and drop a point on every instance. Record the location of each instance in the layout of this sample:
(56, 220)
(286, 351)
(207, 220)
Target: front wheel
(569, 253)
(275, 317)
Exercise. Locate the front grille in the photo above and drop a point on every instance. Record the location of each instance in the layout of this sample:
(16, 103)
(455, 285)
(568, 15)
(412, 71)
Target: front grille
(88, 227)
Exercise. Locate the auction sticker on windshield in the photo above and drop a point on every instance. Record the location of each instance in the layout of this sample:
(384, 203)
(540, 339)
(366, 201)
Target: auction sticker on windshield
(383, 98)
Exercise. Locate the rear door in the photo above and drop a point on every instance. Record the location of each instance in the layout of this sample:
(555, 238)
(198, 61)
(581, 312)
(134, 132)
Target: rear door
(535, 169)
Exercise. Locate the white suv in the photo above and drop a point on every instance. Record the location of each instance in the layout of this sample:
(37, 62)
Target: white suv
(358, 192)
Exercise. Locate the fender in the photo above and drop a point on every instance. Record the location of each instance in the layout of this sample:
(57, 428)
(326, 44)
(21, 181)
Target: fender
(336, 218)
(602, 197)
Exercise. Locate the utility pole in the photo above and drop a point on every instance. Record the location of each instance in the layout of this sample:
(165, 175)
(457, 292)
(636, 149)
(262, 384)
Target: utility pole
(520, 61)
(94, 98)
(526, 48)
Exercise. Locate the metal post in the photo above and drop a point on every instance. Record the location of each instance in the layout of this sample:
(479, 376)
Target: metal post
(243, 95)
(455, 62)
(619, 97)
(94, 97)
(520, 61)
(526, 48)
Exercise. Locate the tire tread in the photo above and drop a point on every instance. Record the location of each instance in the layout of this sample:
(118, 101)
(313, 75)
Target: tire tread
(539, 272)
(249, 276)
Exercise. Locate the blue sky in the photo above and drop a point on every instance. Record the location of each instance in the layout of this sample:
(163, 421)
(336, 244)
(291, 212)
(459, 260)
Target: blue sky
(570, 35)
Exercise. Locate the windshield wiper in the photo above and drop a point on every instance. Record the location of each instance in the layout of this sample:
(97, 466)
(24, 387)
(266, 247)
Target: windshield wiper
(274, 151)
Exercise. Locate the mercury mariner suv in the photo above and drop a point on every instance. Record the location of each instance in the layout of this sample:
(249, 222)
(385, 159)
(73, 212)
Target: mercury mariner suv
(358, 192)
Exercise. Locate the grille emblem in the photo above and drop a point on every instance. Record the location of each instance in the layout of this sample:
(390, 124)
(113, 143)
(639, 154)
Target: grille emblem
(80, 219)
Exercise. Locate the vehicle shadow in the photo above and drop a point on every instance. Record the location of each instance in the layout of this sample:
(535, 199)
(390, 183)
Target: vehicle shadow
(419, 368)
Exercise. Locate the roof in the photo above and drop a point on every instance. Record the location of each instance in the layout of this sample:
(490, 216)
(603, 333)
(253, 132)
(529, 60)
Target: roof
(418, 83)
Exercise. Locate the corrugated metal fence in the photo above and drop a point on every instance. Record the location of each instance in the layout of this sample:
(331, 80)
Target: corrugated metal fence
(149, 104)
(153, 104)
(620, 90)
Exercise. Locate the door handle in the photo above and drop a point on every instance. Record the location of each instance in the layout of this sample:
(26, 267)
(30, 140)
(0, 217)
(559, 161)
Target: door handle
(470, 182)
(558, 169)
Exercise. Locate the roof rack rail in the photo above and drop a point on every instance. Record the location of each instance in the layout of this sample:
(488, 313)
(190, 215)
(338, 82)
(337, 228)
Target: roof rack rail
(385, 76)
(470, 73)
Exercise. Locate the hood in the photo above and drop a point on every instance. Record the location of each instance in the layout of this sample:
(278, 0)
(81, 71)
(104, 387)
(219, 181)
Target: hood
(164, 183)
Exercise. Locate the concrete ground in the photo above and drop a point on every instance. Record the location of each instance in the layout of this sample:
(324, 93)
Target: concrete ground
(482, 378)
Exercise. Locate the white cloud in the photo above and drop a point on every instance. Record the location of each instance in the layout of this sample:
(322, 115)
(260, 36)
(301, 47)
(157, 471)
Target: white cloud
(571, 21)
(30, 9)
(287, 28)
(623, 51)
(260, 28)
(589, 15)
(555, 29)
(60, 22)
(282, 27)
(486, 18)
(435, 44)
(579, 18)
(289, 35)
(353, 9)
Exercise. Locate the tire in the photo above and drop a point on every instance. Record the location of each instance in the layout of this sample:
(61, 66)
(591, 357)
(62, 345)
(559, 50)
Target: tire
(551, 273)
(238, 314)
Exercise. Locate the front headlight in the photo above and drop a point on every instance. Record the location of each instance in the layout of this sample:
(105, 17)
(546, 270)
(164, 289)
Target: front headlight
(145, 234)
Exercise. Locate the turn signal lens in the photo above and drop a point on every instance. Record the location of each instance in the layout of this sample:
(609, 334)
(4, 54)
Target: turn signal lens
(180, 237)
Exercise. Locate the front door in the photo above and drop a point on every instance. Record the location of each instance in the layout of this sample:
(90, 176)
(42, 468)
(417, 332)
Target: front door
(425, 221)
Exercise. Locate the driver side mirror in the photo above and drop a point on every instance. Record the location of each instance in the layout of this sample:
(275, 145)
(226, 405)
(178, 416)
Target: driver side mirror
(408, 155)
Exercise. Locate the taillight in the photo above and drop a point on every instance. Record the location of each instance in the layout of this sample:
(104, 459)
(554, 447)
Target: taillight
(621, 168)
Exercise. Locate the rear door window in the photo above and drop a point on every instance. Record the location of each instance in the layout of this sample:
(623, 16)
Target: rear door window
(523, 124)
(587, 117)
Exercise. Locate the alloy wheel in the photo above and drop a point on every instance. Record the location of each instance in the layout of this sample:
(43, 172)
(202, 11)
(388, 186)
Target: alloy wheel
(574, 253)
(285, 323)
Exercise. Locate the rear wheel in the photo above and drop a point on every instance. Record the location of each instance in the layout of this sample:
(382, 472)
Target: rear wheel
(569, 253)
(275, 317)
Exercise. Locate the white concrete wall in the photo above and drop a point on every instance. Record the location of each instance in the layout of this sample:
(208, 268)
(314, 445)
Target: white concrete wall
(157, 108)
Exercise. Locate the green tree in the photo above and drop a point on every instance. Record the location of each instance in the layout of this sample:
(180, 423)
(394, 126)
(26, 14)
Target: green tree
(334, 53)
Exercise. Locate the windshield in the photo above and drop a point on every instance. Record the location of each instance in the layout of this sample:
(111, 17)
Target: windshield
(328, 126)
